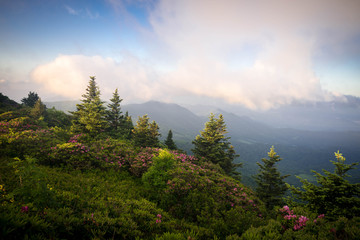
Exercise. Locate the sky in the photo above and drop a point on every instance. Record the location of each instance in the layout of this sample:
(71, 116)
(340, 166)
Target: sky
(260, 54)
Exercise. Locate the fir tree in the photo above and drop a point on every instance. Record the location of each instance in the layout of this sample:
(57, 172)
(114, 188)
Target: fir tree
(214, 146)
(146, 134)
(114, 114)
(333, 195)
(31, 99)
(38, 110)
(127, 126)
(271, 186)
(169, 142)
(90, 114)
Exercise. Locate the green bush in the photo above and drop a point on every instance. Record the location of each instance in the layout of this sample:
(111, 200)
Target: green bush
(158, 175)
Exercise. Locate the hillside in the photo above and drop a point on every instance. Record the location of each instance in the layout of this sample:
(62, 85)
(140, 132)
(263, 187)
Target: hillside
(302, 150)
(59, 184)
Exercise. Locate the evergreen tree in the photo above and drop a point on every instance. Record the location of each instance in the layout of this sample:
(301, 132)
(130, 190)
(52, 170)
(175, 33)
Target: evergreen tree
(127, 126)
(169, 142)
(146, 134)
(38, 110)
(214, 146)
(90, 115)
(31, 99)
(114, 114)
(333, 195)
(271, 186)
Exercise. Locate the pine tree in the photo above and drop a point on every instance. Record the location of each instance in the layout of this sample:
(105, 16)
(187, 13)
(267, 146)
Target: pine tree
(127, 126)
(169, 142)
(90, 114)
(271, 186)
(38, 110)
(214, 146)
(146, 134)
(114, 114)
(31, 99)
(333, 195)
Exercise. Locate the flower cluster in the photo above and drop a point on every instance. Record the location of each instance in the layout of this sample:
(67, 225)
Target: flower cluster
(16, 125)
(139, 164)
(300, 223)
(292, 220)
(319, 217)
(76, 138)
(158, 218)
(24, 209)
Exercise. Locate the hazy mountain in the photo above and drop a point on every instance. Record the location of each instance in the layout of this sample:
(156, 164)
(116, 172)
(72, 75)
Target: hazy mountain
(342, 114)
(64, 106)
(302, 150)
(183, 123)
(252, 137)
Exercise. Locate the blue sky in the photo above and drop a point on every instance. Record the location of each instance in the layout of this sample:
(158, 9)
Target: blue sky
(258, 54)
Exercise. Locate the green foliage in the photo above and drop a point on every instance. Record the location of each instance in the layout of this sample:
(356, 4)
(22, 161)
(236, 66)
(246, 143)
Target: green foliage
(38, 110)
(127, 126)
(271, 186)
(90, 114)
(169, 142)
(286, 226)
(57, 118)
(76, 155)
(333, 194)
(157, 175)
(29, 142)
(32, 185)
(114, 115)
(7, 104)
(215, 147)
(102, 186)
(146, 134)
(31, 99)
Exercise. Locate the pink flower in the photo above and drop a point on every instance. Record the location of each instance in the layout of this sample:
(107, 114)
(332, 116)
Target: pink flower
(25, 209)
(158, 221)
(159, 215)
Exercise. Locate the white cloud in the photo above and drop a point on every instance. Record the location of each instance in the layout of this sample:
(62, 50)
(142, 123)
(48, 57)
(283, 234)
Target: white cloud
(82, 12)
(203, 42)
(203, 36)
(71, 11)
(68, 76)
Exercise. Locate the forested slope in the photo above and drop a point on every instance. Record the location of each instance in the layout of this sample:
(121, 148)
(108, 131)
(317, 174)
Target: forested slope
(73, 176)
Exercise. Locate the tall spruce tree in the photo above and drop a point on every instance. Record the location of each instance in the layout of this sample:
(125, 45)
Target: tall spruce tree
(90, 116)
(146, 134)
(127, 126)
(271, 186)
(114, 114)
(169, 142)
(332, 195)
(214, 146)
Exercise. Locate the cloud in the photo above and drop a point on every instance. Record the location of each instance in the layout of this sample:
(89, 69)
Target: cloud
(259, 54)
(71, 11)
(276, 39)
(82, 12)
(68, 76)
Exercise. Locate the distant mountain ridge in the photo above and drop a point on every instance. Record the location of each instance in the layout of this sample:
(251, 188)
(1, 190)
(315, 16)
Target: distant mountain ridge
(303, 149)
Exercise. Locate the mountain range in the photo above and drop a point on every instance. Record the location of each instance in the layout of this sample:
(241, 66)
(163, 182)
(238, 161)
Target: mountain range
(308, 147)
